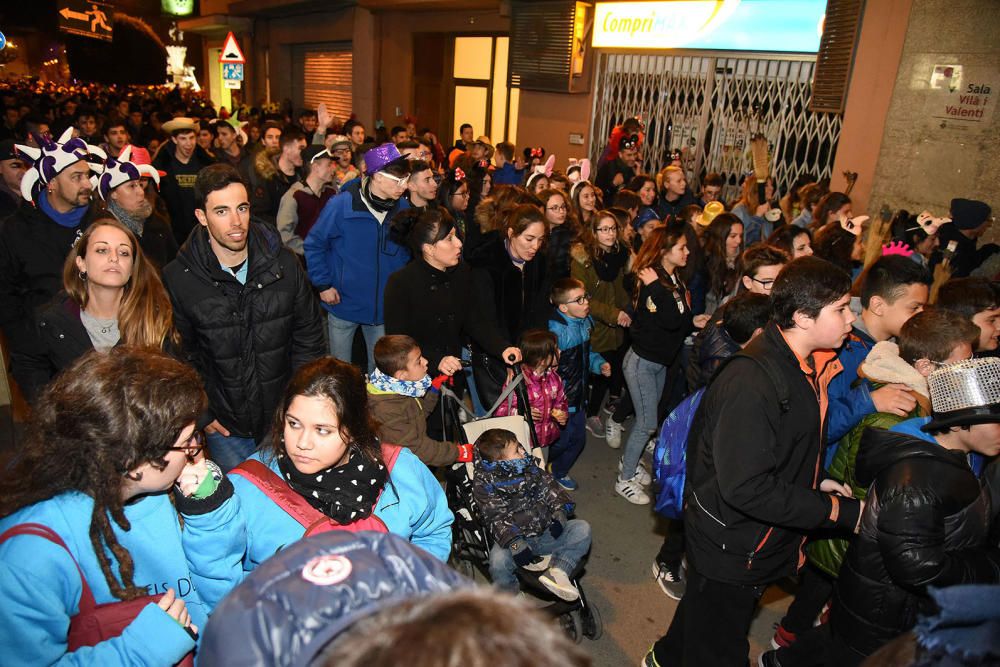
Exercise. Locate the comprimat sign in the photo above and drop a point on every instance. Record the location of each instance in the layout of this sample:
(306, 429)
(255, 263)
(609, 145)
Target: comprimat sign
(87, 19)
(786, 26)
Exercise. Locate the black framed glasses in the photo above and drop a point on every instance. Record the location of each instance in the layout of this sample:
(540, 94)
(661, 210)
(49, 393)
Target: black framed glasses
(580, 300)
(194, 446)
(766, 284)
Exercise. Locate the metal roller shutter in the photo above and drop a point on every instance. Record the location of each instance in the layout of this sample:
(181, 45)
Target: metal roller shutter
(323, 73)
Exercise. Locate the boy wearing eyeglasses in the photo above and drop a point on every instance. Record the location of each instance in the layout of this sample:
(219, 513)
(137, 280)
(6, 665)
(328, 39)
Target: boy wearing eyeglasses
(571, 323)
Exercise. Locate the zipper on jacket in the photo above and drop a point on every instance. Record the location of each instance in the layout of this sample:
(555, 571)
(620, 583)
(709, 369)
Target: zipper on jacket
(760, 545)
(697, 501)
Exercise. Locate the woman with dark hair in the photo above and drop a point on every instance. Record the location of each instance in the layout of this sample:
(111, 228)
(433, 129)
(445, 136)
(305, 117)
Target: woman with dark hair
(432, 298)
(839, 245)
(723, 242)
(919, 232)
(453, 196)
(511, 275)
(564, 230)
(585, 201)
(87, 512)
(644, 185)
(831, 208)
(796, 241)
(324, 469)
(111, 296)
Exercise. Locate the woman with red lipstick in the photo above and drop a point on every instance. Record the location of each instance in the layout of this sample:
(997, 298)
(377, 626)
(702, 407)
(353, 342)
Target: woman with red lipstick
(112, 295)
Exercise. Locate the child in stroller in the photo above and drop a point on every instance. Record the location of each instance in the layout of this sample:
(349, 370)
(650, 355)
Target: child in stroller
(526, 513)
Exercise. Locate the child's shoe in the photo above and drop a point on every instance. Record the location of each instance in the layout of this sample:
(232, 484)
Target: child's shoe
(567, 483)
(595, 426)
(558, 583)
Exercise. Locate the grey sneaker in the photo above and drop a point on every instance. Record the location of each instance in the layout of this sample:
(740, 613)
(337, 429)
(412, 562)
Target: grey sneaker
(670, 579)
(613, 433)
(595, 426)
(558, 583)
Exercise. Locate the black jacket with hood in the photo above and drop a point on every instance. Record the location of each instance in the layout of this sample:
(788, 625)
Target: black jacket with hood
(245, 340)
(926, 523)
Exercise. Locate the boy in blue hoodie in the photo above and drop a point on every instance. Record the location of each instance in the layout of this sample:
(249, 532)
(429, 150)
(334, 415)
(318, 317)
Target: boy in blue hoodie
(572, 324)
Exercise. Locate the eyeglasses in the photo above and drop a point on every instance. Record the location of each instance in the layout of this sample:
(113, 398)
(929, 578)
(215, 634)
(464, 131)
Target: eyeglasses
(461, 194)
(766, 284)
(580, 300)
(401, 182)
(193, 446)
(557, 207)
(606, 230)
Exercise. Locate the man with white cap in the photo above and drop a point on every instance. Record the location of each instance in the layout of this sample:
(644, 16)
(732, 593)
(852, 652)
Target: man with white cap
(122, 188)
(928, 518)
(180, 159)
(35, 239)
(350, 254)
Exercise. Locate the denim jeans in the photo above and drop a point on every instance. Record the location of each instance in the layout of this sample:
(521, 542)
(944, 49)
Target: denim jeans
(645, 384)
(567, 551)
(228, 451)
(567, 449)
(342, 338)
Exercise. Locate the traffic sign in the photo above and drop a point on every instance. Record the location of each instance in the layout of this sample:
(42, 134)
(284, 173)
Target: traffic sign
(86, 18)
(232, 71)
(231, 52)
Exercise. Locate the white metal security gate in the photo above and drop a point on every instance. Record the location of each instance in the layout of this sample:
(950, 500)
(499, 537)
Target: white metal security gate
(710, 107)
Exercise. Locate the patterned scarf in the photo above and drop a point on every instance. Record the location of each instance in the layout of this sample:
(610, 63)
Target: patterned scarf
(415, 389)
(135, 224)
(345, 493)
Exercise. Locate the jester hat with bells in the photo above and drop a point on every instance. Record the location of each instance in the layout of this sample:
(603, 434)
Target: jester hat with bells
(52, 158)
(118, 171)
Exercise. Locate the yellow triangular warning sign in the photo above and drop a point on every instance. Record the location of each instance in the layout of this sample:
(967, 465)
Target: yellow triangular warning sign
(231, 52)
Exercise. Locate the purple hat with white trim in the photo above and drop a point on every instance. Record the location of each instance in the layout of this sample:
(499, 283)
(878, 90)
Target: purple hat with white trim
(118, 171)
(52, 158)
(380, 157)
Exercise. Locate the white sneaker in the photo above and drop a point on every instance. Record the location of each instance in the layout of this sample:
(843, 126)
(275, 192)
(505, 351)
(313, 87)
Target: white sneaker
(558, 583)
(613, 433)
(539, 564)
(631, 490)
(651, 446)
(641, 474)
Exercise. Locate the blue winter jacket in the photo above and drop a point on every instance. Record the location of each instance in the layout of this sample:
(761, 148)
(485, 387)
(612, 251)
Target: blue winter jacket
(40, 586)
(508, 175)
(576, 359)
(349, 250)
(412, 506)
(849, 396)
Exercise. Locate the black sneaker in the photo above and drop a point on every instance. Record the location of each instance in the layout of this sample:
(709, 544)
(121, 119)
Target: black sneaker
(670, 579)
(768, 659)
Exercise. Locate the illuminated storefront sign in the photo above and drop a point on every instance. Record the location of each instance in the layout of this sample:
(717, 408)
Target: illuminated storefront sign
(792, 26)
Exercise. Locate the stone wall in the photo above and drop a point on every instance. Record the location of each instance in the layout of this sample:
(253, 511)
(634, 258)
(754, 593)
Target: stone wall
(941, 136)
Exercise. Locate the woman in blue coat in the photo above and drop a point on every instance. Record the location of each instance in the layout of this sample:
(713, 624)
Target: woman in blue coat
(86, 508)
(325, 469)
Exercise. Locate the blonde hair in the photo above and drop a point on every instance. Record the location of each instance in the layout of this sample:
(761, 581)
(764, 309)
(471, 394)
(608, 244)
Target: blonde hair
(145, 316)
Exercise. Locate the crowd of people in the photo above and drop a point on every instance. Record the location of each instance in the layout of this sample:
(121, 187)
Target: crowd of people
(234, 331)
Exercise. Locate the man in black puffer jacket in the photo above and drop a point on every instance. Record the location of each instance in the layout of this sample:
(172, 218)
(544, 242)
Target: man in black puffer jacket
(928, 518)
(245, 312)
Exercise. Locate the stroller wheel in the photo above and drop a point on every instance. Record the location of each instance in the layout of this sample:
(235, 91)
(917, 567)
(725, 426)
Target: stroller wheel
(572, 625)
(593, 624)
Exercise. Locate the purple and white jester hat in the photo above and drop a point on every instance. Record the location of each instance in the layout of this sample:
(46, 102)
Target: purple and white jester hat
(118, 171)
(52, 158)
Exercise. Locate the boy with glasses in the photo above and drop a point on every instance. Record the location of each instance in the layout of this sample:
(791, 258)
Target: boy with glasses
(571, 323)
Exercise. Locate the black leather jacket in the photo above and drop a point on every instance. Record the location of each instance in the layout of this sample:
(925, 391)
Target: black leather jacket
(926, 524)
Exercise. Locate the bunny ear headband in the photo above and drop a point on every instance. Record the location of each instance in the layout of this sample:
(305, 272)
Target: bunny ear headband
(546, 168)
(853, 225)
(577, 186)
(579, 170)
(118, 171)
(52, 157)
(929, 223)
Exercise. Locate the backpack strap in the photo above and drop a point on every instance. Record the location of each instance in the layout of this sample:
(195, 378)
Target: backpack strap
(275, 488)
(87, 601)
(773, 373)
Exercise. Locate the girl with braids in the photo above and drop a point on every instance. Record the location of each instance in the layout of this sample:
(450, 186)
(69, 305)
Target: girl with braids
(112, 296)
(106, 442)
(324, 469)
(723, 241)
(662, 320)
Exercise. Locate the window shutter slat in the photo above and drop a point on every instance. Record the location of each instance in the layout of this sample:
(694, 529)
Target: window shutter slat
(541, 44)
(327, 77)
(836, 55)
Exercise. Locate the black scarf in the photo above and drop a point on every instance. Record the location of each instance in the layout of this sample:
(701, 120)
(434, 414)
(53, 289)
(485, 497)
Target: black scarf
(346, 493)
(377, 203)
(609, 265)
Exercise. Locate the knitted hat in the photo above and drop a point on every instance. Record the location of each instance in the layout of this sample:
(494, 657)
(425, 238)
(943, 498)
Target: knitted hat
(52, 158)
(965, 393)
(645, 215)
(969, 213)
(118, 171)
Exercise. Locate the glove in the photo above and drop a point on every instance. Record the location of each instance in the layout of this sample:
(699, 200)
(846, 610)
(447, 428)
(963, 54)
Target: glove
(464, 453)
(440, 380)
(521, 552)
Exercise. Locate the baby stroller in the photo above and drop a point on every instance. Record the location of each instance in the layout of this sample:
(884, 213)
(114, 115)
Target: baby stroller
(471, 543)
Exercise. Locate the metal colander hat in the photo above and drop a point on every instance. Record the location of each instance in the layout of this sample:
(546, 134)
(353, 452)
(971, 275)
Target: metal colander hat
(964, 393)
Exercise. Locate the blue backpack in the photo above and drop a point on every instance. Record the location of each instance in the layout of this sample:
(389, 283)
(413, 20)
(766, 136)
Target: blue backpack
(670, 455)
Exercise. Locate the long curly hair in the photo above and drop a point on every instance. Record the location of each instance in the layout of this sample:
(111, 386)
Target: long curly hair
(145, 316)
(103, 417)
(343, 385)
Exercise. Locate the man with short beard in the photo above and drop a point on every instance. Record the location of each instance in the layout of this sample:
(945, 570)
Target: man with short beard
(35, 239)
(122, 188)
(614, 174)
(180, 160)
(12, 170)
(273, 172)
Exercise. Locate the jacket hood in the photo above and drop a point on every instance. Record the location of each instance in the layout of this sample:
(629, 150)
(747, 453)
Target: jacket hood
(881, 449)
(883, 365)
(263, 243)
(288, 609)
